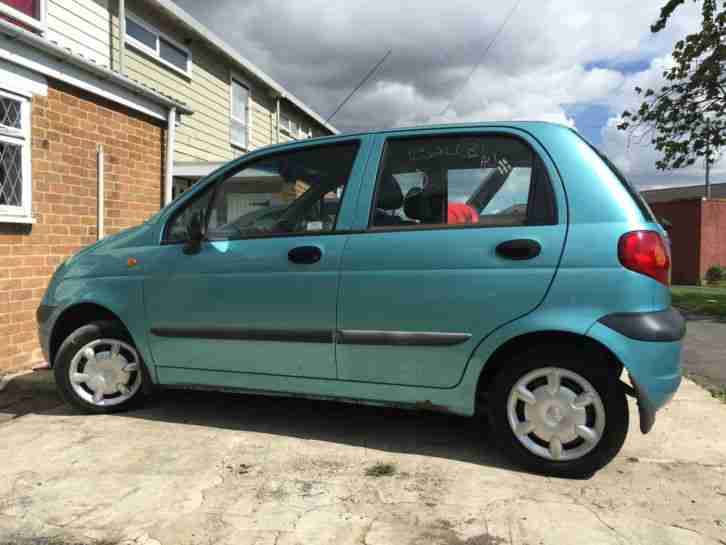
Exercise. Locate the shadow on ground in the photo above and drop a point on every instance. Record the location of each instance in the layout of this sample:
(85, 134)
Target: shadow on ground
(386, 429)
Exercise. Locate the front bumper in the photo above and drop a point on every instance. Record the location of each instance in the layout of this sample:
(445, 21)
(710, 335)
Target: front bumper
(649, 347)
(43, 317)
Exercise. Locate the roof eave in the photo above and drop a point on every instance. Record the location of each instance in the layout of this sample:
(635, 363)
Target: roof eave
(198, 28)
(66, 55)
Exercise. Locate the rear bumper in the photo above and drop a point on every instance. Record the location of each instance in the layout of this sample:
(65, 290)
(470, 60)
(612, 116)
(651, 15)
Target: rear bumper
(654, 365)
(661, 326)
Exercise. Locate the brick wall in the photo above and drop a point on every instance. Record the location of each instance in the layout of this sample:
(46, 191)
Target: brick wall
(698, 236)
(685, 235)
(67, 126)
(713, 234)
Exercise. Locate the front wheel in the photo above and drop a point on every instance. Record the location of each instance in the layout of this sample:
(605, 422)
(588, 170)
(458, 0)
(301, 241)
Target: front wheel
(98, 369)
(561, 412)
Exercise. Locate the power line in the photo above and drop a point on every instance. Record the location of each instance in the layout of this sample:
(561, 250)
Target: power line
(363, 81)
(481, 59)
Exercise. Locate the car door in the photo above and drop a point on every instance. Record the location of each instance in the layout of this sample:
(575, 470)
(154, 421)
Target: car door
(460, 233)
(258, 295)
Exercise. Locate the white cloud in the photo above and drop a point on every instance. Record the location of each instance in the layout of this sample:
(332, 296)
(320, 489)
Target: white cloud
(536, 69)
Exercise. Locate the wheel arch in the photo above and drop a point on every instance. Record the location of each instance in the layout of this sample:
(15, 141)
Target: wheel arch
(77, 316)
(499, 358)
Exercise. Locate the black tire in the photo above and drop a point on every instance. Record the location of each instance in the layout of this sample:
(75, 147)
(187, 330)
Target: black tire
(70, 347)
(599, 370)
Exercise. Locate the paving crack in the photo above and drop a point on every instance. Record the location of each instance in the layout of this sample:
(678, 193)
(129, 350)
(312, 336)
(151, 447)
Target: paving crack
(364, 537)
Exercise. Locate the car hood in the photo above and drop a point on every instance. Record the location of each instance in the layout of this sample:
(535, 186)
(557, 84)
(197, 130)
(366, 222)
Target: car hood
(109, 255)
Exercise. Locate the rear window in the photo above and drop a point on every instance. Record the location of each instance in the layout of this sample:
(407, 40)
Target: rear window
(630, 188)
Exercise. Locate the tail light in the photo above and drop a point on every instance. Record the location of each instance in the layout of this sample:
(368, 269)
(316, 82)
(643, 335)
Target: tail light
(646, 252)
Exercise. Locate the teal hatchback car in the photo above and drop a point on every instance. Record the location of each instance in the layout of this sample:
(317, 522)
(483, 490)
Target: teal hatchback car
(506, 267)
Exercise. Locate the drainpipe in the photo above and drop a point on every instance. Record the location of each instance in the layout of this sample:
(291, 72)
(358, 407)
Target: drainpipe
(121, 36)
(277, 119)
(100, 193)
(170, 146)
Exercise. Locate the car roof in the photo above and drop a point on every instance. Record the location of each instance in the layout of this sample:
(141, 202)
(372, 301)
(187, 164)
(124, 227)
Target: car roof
(524, 125)
(537, 128)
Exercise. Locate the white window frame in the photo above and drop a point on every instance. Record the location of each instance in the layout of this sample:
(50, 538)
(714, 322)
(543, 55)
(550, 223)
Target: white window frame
(20, 137)
(248, 112)
(39, 24)
(295, 134)
(155, 53)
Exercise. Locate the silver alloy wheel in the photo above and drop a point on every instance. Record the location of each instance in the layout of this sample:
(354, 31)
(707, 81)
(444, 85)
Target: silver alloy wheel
(105, 372)
(556, 414)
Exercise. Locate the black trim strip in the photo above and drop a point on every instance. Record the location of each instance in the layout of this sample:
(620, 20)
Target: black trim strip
(662, 326)
(400, 338)
(240, 334)
(346, 336)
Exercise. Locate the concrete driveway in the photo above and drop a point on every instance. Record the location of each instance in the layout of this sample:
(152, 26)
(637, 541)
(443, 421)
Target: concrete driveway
(704, 353)
(201, 468)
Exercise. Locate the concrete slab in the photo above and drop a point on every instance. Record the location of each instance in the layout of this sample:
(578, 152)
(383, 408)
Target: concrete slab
(198, 468)
(704, 350)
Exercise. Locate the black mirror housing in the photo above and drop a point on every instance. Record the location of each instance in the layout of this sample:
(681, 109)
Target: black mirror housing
(195, 234)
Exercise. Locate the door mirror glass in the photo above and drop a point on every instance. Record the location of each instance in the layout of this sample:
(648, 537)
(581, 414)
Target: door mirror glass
(194, 227)
(179, 228)
(195, 233)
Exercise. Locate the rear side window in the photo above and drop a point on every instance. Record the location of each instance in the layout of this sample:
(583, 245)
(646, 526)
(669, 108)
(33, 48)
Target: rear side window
(485, 181)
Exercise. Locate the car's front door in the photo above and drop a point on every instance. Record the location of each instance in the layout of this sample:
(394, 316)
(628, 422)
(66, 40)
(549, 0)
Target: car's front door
(259, 293)
(462, 234)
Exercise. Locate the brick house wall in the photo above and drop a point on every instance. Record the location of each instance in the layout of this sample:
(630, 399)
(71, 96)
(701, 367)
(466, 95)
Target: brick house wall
(698, 236)
(67, 126)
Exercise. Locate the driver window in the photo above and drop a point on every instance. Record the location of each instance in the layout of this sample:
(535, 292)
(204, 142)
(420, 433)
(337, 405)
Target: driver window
(287, 193)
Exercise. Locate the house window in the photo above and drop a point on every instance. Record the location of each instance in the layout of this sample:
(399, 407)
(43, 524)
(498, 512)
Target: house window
(147, 39)
(14, 159)
(289, 126)
(28, 13)
(240, 114)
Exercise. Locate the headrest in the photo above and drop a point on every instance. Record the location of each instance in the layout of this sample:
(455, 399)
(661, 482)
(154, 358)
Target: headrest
(423, 205)
(390, 196)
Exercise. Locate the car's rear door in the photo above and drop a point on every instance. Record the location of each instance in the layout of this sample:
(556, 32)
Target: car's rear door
(465, 235)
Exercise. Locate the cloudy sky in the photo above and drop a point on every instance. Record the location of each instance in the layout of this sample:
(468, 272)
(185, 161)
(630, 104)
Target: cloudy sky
(572, 62)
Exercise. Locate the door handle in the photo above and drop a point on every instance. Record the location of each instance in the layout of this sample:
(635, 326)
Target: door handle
(305, 255)
(519, 249)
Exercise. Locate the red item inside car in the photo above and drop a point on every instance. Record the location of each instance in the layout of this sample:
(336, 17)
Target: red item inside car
(461, 214)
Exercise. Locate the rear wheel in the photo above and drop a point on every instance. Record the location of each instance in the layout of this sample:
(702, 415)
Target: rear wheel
(559, 411)
(98, 369)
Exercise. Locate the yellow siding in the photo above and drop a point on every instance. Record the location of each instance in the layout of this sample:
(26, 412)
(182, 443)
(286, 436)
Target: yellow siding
(204, 136)
(90, 27)
(262, 120)
(84, 26)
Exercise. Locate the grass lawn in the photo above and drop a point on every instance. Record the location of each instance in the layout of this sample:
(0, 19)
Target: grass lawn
(701, 300)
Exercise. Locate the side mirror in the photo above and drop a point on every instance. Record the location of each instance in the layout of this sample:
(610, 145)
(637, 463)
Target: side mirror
(194, 234)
